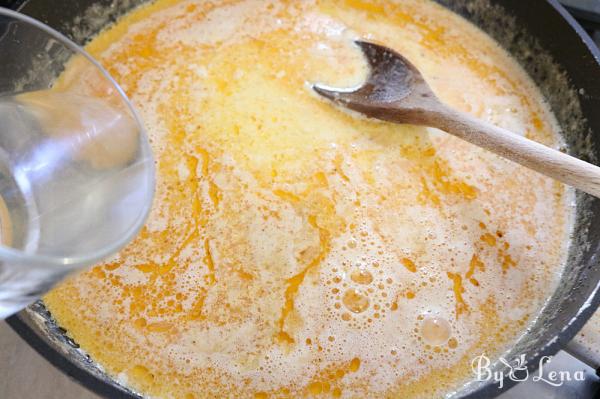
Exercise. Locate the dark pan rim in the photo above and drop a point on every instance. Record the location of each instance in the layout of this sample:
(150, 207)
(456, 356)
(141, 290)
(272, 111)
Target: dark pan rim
(107, 390)
(61, 362)
(593, 301)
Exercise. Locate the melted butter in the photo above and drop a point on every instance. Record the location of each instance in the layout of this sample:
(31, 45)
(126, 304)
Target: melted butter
(6, 227)
(293, 248)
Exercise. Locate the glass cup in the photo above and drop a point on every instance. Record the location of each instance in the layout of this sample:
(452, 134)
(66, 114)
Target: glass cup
(76, 169)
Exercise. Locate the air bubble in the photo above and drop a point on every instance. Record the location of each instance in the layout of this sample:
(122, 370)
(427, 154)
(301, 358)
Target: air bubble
(361, 276)
(435, 330)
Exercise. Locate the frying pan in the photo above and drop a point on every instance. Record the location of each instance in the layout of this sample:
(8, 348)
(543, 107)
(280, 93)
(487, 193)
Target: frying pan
(560, 58)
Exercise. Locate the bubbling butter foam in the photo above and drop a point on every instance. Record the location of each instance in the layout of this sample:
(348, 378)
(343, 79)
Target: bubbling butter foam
(295, 249)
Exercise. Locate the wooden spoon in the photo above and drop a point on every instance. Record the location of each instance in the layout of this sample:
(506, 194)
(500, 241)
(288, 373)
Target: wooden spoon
(395, 91)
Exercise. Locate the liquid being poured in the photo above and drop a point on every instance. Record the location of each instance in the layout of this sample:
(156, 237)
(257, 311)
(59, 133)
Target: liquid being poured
(81, 127)
(49, 137)
(66, 169)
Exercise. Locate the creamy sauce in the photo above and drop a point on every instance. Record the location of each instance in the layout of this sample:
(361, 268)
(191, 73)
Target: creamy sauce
(298, 250)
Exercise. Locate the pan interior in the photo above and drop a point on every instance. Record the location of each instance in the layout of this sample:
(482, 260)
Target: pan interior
(578, 281)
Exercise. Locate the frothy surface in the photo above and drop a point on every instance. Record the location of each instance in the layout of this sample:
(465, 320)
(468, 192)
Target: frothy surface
(295, 249)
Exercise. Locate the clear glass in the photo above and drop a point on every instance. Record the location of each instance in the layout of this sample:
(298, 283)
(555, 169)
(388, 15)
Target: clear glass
(76, 169)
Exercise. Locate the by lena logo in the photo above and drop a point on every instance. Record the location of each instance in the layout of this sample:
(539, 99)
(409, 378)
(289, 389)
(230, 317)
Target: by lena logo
(517, 371)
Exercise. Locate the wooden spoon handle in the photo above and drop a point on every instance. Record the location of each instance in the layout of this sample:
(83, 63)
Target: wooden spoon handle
(558, 165)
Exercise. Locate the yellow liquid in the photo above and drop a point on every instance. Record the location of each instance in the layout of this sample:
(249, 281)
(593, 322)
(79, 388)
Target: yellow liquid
(295, 249)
